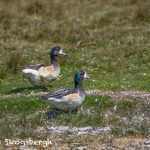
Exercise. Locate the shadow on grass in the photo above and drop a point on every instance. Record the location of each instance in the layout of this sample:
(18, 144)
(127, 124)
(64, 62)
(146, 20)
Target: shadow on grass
(19, 90)
(54, 113)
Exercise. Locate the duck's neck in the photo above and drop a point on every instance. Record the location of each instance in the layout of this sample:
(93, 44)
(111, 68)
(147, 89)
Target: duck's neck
(54, 60)
(79, 85)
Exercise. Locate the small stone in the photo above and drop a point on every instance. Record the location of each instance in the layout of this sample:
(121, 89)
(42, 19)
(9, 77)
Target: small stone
(80, 148)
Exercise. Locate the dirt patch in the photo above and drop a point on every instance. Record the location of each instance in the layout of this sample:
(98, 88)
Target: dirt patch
(128, 95)
(78, 131)
(122, 95)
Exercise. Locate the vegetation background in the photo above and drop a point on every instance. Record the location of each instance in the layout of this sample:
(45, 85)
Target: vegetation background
(109, 39)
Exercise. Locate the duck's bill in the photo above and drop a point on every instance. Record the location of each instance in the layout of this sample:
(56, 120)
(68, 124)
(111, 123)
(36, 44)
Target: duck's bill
(61, 52)
(86, 76)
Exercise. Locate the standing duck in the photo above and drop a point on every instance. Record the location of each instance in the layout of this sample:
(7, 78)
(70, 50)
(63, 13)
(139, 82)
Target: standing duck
(68, 99)
(38, 74)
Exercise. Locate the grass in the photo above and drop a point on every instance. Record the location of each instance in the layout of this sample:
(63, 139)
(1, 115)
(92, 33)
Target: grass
(108, 39)
(20, 105)
(21, 116)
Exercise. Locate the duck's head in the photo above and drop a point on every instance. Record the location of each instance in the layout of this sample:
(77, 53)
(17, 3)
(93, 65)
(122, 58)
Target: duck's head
(55, 51)
(79, 77)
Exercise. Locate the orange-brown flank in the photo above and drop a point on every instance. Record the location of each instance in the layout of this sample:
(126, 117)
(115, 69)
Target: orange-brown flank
(48, 69)
(72, 96)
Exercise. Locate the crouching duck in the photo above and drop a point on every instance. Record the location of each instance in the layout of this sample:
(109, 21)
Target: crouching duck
(68, 99)
(40, 73)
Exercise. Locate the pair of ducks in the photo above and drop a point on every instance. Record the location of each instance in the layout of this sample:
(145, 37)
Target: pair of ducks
(64, 99)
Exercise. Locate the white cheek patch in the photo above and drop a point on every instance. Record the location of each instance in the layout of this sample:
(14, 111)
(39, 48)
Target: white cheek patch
(85, 75)
(61, 51)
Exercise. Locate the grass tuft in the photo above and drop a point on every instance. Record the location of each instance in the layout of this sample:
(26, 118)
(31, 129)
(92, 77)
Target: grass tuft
(13, 66)
(34, 7)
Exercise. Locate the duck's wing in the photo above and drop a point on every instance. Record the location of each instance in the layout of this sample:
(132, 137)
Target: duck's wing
(35, 67)
(31, 70)
(42, 70)
(60, 93)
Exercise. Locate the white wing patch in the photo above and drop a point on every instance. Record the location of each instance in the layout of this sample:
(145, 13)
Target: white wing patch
(30, 72)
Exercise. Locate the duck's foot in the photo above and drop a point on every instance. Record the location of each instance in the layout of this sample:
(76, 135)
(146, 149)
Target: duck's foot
(54, 113)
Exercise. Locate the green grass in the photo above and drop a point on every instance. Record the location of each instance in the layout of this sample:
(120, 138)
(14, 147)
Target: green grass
(21, 105)
(20, 116)
(108, 39)
(89, 114)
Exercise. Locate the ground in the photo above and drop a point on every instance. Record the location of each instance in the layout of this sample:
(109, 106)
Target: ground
(108, 39)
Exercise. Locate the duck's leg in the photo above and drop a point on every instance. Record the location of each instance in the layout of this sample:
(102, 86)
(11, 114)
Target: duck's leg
(44, 84)
(50, 81)
(75, 110)
(71, 111)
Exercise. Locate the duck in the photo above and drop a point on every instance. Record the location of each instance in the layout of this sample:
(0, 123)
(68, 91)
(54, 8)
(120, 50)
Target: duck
(70, 98)
(38, 74)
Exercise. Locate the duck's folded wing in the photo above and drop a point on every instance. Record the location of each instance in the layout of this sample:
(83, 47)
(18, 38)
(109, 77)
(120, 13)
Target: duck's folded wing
(35, 67)
(31, 70)
(60, 93)
(42, 70)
